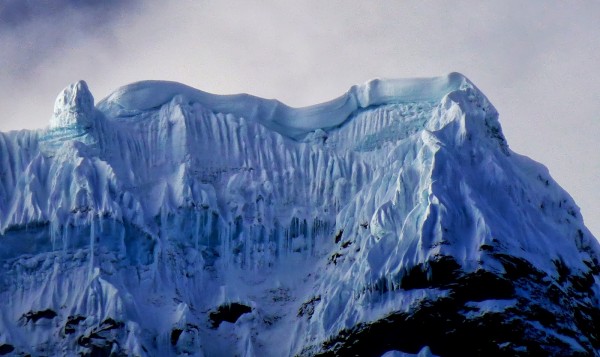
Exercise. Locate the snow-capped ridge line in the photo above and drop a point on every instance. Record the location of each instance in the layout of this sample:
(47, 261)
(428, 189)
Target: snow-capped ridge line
(170, 221)
(142, 96)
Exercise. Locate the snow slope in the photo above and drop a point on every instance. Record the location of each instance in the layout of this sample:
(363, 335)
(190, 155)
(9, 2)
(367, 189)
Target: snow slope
(170, 221)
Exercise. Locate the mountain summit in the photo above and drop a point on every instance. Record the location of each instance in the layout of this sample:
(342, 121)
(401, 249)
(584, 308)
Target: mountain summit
(392, 220)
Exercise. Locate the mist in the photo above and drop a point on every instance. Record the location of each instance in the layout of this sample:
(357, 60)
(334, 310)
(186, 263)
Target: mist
(536, 61)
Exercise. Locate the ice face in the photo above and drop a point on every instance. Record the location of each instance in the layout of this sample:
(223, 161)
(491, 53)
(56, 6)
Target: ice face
(132, 99)
(134, 220)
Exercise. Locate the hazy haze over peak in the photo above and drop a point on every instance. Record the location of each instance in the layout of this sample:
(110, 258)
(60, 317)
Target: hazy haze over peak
(536, 62)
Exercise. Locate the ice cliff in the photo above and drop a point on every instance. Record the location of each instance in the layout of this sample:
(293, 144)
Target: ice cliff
(393, 220)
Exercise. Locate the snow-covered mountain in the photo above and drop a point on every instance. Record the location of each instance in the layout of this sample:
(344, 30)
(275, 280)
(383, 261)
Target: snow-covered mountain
(392, 220)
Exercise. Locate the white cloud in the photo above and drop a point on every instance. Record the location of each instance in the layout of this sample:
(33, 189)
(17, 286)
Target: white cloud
(536, 61)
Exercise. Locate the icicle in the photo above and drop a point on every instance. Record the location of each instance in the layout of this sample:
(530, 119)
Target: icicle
(92, 244)
(246, 237)
(208, 228)
(53, 233)
(309, 237)
(226, 236)
(65, 240)
(163, 222)
(122, 241)
(249, 348)
(197, 229)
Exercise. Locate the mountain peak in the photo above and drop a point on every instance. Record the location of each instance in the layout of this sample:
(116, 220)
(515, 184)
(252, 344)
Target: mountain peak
(135, 98)
(170, 221)
(73, 106)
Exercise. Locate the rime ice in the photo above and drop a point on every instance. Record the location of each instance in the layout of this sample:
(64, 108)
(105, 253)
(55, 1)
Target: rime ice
(74, 106)
(124, 225)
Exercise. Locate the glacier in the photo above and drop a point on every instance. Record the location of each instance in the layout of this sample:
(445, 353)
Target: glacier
(392, 220)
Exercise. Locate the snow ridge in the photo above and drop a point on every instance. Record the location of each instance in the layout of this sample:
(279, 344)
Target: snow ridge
(292, 122)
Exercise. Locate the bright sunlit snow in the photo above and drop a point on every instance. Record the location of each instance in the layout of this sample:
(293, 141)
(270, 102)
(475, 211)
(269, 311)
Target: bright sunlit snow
(139, 219)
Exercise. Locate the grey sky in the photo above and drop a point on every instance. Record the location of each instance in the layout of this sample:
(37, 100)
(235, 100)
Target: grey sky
(537, 61)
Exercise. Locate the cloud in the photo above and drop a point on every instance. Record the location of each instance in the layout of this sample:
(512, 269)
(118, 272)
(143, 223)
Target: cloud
(42, 42)
(16, 13)
(32, 30)
(537, 62)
